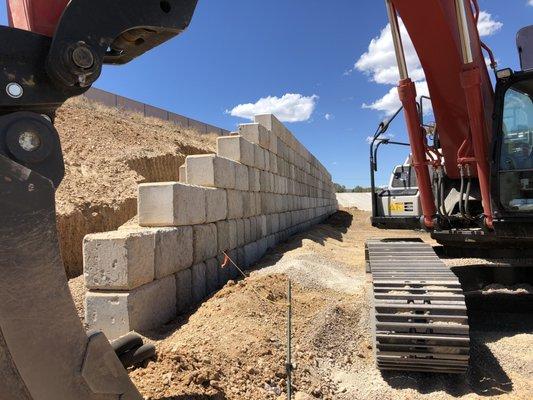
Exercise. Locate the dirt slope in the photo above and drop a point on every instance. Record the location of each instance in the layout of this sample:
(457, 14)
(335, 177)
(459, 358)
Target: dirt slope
(107, 153)
(233, 346)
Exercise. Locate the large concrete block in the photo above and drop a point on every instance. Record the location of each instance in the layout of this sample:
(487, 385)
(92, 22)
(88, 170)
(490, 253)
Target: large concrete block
(242, 178)
(250, 254)
(199, 283)
(204, 242)
(247, 230)
(255, 133)
(140, 310)
(275, 223)
(254, 179)
(227, 270)
(211, 171)
(232, 233)
(236, 148)
(248, 204)
(223, 236)
(216, 205)
(235, 204)
(211, 275)
(183, 290)
(273, 162)
(259, 158)
(119, 260)
(173, 250)
(240, 232)
(171, 204)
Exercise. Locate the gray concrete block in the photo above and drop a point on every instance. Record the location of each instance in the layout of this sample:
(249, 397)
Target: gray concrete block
(211, 171)
(236, 148)
(255, 133)
(247, 230)
(250, 254)
(232, 234)
(223, 236)
(140, 310)
(171, 204)
(254, 179)
(273, 162)
(204, 242)
(247, 202)
(211, 275)
(235, 204)
(173, 250)
(275, 223)
(242, 177)
(216, 205)
(199, 283)
(262, 247)
(264, 227)
(119, 260)
(183, 290)
(259, 157)
(240, 232)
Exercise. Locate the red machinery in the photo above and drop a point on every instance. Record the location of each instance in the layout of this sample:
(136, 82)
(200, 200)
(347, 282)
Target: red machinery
(475, 183)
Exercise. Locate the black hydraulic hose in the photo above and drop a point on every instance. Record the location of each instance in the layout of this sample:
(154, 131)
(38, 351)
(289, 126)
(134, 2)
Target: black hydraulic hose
(442, 196)
(461, 195)
(467, 200)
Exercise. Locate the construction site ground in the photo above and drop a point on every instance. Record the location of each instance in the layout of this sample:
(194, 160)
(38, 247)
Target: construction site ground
(233, 346)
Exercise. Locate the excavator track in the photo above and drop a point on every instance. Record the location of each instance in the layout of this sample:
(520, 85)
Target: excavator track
(420, 317)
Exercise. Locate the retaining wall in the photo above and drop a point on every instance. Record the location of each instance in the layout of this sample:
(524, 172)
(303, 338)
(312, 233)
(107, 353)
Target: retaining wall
(260, 188)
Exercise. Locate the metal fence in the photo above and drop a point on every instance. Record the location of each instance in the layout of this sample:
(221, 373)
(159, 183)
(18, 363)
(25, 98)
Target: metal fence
(114, 100)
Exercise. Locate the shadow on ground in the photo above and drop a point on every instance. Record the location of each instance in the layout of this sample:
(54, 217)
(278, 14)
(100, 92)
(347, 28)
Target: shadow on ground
(485, 376)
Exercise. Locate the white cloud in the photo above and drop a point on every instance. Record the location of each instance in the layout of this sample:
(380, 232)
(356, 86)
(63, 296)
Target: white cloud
(390, 103)
(530, 3)
(329, 117)
(369, 139)
(486, 25)
(379, 62)
(288, 108)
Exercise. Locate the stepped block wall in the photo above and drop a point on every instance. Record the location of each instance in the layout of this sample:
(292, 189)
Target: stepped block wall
(260, 188)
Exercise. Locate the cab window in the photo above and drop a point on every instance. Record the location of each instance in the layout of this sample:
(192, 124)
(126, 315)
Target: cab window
(516, 163)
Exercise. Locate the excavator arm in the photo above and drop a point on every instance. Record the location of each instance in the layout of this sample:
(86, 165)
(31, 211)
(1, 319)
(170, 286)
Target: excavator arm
(57, 53)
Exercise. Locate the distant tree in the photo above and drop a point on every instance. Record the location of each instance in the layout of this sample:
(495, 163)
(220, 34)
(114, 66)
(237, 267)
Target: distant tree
(361, 189)
(339, 188)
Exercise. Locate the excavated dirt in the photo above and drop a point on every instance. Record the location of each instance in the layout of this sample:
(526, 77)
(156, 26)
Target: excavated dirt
(107, 153)
(233, 345)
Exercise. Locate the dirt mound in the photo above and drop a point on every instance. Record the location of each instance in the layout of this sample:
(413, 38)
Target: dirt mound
(107, 153)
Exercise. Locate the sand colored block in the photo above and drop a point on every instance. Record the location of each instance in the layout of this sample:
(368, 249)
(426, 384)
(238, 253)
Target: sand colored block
(240, 232)
(183, 174)
(216, 204)
(171, 204)
(205, 243)
(173, 250)
(211, 171)
(259, 158)
(140, 310)
(119, 260)
(236, 148)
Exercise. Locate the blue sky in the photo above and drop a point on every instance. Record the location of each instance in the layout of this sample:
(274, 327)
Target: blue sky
(239, 51)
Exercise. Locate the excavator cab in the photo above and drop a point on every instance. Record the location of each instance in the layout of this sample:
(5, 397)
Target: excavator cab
(512, 167)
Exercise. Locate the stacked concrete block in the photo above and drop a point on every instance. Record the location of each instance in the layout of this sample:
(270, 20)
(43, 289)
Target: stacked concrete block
(260, 188)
